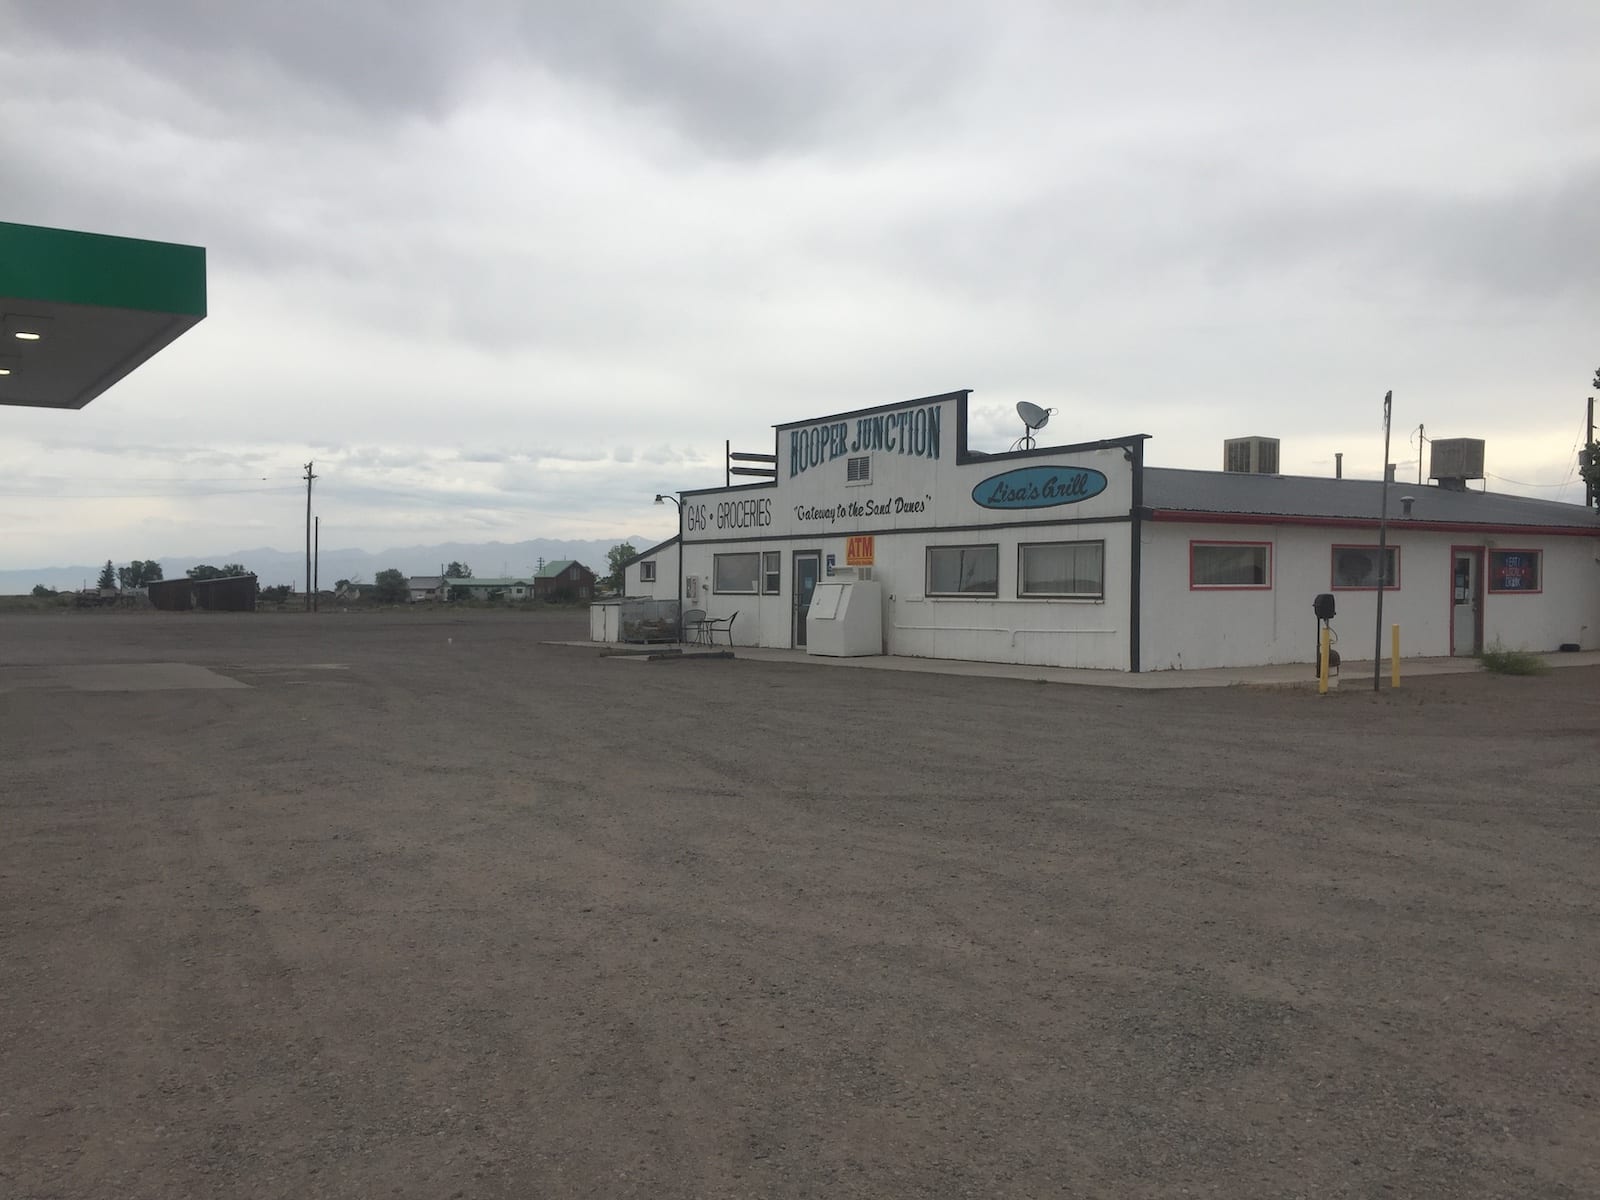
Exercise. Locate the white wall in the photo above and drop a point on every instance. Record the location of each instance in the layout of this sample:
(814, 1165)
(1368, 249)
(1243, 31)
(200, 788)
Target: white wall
(1075, 633)
(665, 585)
(1568, 608)
(1187, 628)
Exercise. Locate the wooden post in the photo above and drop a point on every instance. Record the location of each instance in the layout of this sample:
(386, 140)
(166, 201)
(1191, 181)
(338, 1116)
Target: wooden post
(1322, 662)
(1394, 656)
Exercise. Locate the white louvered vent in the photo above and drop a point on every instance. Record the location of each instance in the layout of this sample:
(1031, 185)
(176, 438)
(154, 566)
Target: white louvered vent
(1250, 456)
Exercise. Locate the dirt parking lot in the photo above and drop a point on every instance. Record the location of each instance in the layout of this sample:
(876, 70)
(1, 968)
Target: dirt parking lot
(429, 909)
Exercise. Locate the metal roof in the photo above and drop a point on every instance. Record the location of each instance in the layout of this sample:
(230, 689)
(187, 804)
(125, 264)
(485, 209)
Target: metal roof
(82, 310)
(1356, 501)
(551, 569)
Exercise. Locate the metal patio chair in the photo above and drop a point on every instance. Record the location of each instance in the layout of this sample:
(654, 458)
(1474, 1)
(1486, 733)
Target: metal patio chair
(718, 625)
(694, 623)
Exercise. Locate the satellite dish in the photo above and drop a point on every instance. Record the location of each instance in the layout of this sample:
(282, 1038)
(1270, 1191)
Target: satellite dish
(1033, 417)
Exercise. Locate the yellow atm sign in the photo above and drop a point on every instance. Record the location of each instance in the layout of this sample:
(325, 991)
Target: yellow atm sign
(858, 551)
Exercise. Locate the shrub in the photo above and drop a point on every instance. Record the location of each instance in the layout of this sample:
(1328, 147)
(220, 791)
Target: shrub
(1511, 662)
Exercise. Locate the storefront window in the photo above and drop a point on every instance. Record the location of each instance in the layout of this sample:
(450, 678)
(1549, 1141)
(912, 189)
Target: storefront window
(736, 573)
(963, 571)
(1069, 570)
(1230, 564)
(1357, 567)
(1516, 571)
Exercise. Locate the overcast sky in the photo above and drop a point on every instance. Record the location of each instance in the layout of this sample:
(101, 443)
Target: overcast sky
(505, 270)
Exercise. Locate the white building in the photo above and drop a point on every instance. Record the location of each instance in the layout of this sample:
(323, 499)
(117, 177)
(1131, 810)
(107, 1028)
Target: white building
(474, 588)
(425, 588)
(1081, 556)
(652, 573)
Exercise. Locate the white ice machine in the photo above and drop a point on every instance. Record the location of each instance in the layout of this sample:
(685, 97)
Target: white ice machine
(845, 619)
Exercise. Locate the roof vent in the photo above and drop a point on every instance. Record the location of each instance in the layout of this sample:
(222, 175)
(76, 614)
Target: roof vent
(1454, 461)
(1250, 456)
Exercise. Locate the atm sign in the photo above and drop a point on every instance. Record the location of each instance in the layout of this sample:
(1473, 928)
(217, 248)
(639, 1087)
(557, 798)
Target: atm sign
(858, 551)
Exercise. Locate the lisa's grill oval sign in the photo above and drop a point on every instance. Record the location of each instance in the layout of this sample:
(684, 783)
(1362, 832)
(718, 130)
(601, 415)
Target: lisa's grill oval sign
(1039, 487)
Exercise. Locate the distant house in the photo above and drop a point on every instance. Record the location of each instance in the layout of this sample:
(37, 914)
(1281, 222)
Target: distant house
(490, 589)
(426, 587)
(564, 579)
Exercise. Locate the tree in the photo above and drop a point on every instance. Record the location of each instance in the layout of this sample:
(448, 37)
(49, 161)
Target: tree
(139, 573)
(391, 586)
(108, 576)
(615, 557)
(43, 592)
(458, 570)
(207, 571)
(1589, 460)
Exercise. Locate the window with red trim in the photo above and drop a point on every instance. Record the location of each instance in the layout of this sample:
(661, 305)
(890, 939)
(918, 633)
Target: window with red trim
(1230, 565)
(1355, 568)
(1516, 572)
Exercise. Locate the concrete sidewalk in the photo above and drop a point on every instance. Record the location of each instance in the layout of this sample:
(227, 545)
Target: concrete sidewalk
(1353, 673)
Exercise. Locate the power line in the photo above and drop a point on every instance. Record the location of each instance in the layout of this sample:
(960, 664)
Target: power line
(1524, 483)
(1582, 440)
(55, 495)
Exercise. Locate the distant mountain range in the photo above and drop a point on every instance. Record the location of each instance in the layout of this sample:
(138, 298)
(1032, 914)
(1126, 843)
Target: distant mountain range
(289, 566)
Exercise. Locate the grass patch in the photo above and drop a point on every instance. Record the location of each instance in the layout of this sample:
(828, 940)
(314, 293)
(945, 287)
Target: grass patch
(14, 604)
(1512, 662)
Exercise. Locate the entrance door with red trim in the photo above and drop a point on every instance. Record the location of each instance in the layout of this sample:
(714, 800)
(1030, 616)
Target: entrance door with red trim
(1466, 600)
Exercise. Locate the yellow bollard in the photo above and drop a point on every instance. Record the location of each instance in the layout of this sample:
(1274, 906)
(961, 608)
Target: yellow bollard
(1394, 656)
(1322, 664)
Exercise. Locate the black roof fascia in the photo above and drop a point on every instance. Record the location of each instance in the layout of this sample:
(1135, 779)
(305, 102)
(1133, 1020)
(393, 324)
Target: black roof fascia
(628, 562)
(960, 394)
(738, 487)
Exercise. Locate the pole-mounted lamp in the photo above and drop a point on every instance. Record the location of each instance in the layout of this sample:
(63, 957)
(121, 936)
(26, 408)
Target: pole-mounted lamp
(678, 504)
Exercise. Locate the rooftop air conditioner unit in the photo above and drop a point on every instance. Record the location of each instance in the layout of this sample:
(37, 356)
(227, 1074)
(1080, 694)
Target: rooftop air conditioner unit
(1453, 461)
(1250, 456)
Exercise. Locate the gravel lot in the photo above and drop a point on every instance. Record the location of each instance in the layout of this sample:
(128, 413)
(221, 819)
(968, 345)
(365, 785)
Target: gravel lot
(430, 909)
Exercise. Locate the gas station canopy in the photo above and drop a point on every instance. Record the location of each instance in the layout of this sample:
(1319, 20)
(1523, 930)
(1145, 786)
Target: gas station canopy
(78, 311)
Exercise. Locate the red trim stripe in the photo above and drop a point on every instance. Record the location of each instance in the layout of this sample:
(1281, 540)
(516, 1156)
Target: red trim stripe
(1399, 524)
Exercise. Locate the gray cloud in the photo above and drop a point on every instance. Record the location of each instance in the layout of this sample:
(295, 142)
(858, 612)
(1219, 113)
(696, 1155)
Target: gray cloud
(543, 261)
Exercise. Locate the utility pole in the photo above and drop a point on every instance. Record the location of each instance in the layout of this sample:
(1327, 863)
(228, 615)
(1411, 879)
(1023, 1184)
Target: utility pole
(309, 478)
(1383, 545)
(316, 567)
(1422, 437)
